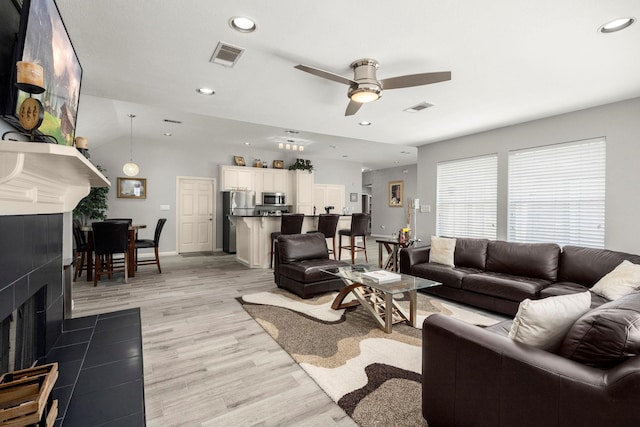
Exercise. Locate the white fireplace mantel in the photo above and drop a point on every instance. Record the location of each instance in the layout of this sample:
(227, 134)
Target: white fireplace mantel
(38, 178)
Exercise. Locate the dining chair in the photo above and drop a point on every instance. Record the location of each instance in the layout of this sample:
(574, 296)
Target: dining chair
(128, 220)
(81, 249)
(289, 224)
(327, 225)
(109, 238)
(148, 243)
(358, 228)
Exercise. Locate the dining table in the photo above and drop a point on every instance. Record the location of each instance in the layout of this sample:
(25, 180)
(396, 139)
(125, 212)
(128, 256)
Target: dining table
(131, 250)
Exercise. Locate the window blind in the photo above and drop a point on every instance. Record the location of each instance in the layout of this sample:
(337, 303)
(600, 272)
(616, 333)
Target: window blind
(467, 197)
(557, 194)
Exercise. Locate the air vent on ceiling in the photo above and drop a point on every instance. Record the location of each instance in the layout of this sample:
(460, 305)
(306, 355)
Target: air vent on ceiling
(418, 107)
(226, 54)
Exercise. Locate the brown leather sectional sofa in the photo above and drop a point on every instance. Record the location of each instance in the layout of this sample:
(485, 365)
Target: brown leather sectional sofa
(475, 376)
(497, 275)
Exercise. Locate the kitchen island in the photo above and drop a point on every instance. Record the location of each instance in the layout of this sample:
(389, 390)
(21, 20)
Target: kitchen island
(253, 236)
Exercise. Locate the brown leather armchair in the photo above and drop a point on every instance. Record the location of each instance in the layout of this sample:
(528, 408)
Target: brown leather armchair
(300, 259)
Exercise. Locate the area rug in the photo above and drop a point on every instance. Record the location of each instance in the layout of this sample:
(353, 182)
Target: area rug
(375, 377)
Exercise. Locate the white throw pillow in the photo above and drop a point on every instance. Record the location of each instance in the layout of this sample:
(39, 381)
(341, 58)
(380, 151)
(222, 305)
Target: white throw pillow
(621, 281)
(442, 250)
(543, 323)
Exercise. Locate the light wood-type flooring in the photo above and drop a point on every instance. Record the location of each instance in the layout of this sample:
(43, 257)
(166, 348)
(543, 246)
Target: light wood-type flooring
(206, 361)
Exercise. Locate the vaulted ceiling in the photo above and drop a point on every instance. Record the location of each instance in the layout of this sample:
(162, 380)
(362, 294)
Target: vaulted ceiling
(511, 61)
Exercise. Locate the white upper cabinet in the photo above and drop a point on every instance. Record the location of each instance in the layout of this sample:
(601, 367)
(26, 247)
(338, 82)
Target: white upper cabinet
(302, 200)
(328, 195)
(235, 177)
(257, 179)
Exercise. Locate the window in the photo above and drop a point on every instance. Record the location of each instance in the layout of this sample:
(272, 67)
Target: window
(466, 199)
(557, 194)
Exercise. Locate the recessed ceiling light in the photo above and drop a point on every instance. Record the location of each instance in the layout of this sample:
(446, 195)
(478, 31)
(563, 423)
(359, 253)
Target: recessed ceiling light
(616, 25)
(205, 91)
(364, 123)
(291, 131)
(247, 143)
(167, 134)
(242, 24)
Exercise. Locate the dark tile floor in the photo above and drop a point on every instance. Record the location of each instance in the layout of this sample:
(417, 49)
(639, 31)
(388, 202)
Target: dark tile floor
(100, 379)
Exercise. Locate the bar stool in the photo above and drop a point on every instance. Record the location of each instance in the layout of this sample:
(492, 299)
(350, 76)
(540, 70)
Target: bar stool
(81, 249)
(289, 224)
(327, 225)
(358, 228)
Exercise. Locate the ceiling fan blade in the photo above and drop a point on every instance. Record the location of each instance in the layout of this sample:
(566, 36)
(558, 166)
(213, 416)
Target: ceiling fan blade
(415, 80)
(352, 108)
(325, 74)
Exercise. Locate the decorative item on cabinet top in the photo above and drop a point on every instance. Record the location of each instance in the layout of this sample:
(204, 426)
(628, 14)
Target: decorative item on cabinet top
(239, 161)
(302, 164)
(278, 164)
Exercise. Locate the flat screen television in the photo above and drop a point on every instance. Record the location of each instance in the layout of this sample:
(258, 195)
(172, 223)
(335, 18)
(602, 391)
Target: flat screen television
(43, 39)
(9, 28)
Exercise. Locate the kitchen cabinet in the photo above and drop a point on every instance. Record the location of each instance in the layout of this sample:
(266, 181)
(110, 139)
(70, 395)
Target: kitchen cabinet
(302, 189)
(328, 195)
(237, 177)
(274, 180)
(256, 179)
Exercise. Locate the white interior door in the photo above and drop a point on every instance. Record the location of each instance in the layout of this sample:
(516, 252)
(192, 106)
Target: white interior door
(196, 219)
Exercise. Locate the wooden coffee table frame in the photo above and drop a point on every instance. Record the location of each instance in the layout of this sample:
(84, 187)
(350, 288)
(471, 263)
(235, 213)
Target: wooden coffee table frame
(378, 302)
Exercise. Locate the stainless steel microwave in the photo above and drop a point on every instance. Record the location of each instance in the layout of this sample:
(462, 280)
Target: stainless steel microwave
(274, 199)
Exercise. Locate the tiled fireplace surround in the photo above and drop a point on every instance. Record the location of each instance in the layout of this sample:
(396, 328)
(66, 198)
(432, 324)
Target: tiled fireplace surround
(100, 357)
(31, 258)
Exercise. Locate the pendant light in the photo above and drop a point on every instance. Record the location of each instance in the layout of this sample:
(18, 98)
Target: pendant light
(131, 169)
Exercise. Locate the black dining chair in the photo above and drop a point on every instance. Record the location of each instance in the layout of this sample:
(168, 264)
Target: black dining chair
(148, 243)
(358, 228)
(81, 249)
(127, 220)
(110, 238)
(289, 224)
(327, 225)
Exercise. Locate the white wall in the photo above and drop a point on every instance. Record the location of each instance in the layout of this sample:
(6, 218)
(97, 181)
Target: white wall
(619, 123)
(163, 159)
(385, 219)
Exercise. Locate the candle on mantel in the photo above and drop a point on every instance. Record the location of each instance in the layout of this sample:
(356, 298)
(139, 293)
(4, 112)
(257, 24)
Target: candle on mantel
(82, 142)
(30, 77)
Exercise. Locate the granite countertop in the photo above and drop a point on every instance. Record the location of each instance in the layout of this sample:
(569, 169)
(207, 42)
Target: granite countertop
(277, 216)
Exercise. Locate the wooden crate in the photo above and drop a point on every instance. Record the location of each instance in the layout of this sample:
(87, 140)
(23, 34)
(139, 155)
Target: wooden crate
(24, 396)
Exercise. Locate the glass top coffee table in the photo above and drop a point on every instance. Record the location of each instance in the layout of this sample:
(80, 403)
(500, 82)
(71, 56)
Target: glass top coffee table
(377, 298)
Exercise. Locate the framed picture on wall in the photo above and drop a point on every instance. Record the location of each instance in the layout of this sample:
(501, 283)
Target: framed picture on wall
(396, 193)
(132, 188)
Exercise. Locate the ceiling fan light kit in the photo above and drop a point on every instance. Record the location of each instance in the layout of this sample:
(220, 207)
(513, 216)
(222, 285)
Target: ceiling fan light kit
(365, 86)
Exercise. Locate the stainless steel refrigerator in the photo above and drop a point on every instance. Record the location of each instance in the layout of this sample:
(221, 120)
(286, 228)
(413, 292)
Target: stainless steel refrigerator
(235, 203)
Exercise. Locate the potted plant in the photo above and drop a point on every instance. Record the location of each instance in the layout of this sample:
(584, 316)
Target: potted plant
(93, 206)
(302, 164)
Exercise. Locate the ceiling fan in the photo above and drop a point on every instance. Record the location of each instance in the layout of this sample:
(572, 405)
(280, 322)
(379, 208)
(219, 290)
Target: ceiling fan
(365, 87)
